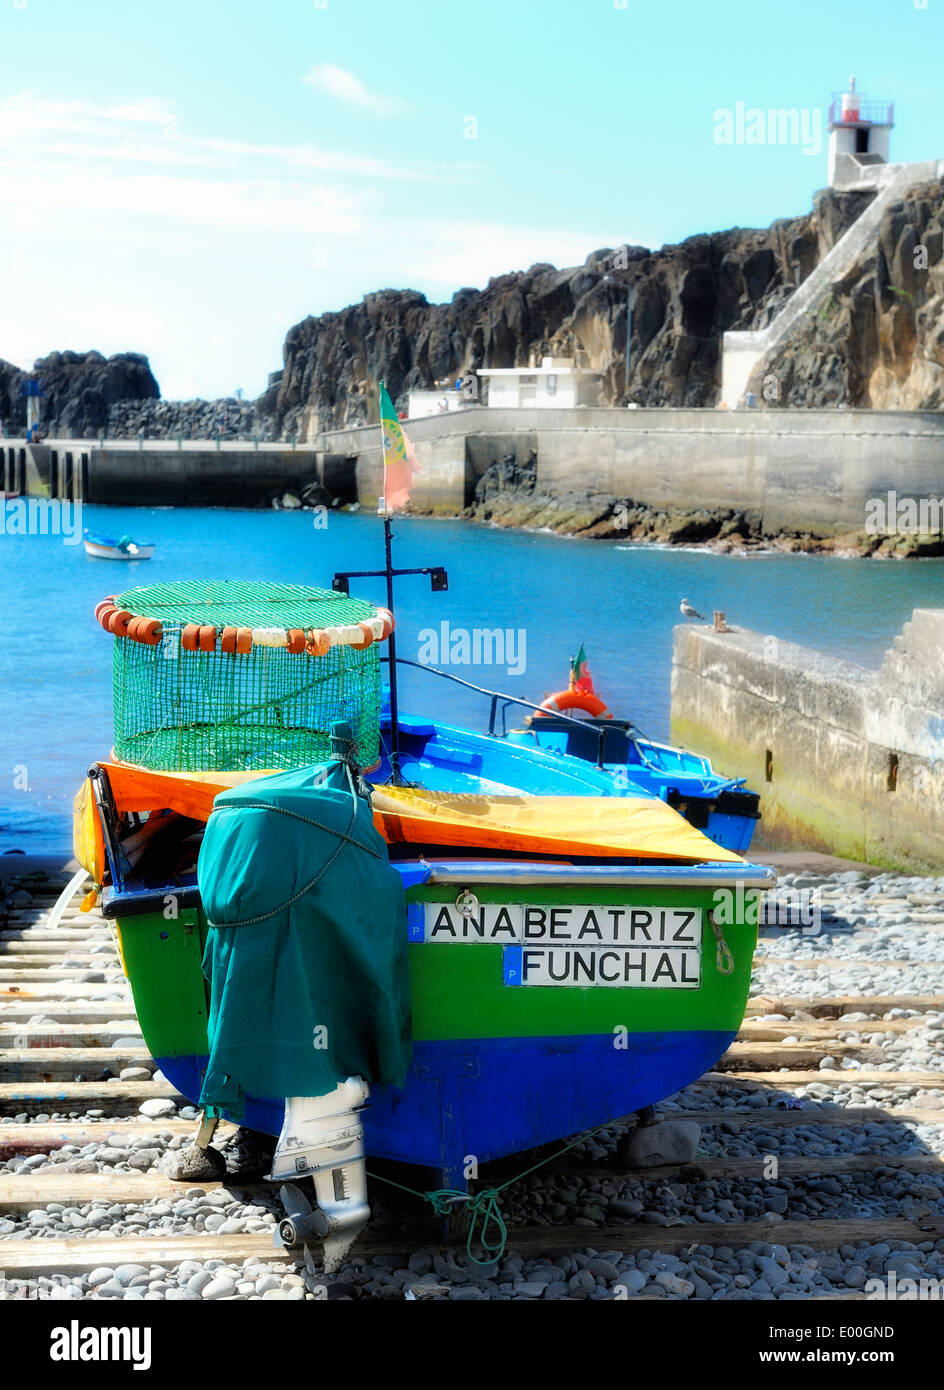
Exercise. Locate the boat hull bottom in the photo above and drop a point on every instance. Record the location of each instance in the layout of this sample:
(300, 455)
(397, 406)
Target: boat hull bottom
(469, 1101)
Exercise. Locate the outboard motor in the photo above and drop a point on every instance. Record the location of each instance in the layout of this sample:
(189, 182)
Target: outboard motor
(309, 987)
(322, 1137)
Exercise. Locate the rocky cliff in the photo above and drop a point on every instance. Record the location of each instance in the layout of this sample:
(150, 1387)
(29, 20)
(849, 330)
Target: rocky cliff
(685, 298)
(879, 339)
(79, 388)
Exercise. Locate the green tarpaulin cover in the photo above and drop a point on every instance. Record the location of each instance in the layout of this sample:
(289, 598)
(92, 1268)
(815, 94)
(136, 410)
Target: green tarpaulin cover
(306, 952)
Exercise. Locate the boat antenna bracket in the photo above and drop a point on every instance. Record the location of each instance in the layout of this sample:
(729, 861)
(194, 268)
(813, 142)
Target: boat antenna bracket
(438, 582)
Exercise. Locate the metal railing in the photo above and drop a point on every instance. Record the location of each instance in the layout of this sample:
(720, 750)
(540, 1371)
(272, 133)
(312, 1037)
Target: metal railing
(869, 112)
(498, 696)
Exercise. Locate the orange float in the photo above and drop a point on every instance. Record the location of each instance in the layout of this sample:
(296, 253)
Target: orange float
(117, 621)
(146, 630)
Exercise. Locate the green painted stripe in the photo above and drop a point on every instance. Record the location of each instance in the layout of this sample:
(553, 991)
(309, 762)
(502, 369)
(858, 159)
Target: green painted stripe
(457, 989)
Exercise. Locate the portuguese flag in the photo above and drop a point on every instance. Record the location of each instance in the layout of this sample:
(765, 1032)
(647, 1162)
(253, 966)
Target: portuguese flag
(398, 457)
(580, 677)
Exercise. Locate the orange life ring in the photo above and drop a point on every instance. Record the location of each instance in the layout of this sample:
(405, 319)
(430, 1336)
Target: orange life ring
(563, 700)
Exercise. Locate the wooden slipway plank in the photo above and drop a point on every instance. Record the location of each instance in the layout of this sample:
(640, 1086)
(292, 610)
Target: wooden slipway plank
(24, 1258)
(830, 1165)
(820, 1235)
(107, 971)
(13, 1010)
(44, 1138)
(21, 1194)
(930, 1080)
(26, 1193)
(46, 995)
(69, 1036)
(118, 1097)
(841, 1116)
(32, 952)
(839, 963)
(66, 1062)
(757, 1029)
(761, 1004)
(750, 1055)
(64, 936)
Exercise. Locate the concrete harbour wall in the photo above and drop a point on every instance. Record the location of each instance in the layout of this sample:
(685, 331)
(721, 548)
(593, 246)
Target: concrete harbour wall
(803, 471)
(846, 760)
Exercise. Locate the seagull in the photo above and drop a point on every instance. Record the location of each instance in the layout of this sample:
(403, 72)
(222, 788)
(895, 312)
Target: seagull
(687, 611)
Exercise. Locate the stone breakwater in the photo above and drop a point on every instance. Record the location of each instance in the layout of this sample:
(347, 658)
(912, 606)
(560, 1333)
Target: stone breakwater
(847, 760)
(227, 418)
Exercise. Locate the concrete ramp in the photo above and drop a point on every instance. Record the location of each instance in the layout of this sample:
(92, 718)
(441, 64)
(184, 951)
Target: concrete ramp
(744, 354)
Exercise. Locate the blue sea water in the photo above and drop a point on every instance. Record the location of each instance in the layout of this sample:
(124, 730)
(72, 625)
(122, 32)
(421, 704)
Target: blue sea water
(621, 602)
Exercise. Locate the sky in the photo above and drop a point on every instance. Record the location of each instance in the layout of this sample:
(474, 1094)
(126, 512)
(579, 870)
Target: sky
(189, 178)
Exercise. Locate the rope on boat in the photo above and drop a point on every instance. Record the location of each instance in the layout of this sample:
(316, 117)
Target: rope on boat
(724, 960)
(483, 1206)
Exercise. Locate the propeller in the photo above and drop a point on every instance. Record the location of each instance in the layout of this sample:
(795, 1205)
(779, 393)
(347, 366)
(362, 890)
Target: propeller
(297, 1223)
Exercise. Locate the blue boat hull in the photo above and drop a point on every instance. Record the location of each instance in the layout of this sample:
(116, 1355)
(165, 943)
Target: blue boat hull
(489, 1097)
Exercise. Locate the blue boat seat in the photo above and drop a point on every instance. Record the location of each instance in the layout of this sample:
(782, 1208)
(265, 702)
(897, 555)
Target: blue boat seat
(442, 752)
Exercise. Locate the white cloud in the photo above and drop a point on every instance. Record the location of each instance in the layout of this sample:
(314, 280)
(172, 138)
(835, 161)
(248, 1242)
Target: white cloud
(344, 86)
(150, 134)
(122, 229)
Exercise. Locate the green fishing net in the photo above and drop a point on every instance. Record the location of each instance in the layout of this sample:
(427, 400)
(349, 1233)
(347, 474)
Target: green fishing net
(192, 711)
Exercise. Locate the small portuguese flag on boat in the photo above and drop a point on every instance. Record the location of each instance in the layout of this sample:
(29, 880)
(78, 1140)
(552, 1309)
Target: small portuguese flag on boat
(580, 677)
(399, 459)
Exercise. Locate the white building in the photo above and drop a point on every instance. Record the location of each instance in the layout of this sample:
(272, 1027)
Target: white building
(437, 402)
(859, 134)
(556, 383)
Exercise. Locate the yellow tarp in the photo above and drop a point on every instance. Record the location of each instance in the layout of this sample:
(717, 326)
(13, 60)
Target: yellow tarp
(623, 827)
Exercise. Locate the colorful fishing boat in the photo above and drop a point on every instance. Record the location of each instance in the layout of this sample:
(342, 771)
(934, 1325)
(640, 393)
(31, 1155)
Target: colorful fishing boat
(577, 722)
(572, 950)
(124, 548)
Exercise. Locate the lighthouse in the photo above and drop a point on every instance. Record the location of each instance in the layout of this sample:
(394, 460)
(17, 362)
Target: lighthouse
(859, 132)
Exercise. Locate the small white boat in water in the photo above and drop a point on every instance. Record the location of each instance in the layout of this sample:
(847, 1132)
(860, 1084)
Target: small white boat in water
(104, 548)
